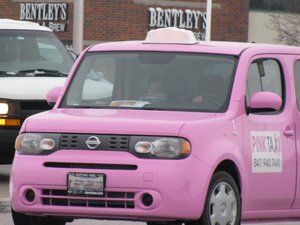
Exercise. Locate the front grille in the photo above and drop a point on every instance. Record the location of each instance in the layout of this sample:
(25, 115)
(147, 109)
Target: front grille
(69, 142)
(107, 142)
(90, 166)
(29, 108)
(34, 105)
(109, 200)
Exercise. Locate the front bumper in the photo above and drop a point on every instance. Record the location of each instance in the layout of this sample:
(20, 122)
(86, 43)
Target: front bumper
(177, 187)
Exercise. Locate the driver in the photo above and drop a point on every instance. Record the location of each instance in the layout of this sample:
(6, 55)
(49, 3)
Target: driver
(155, 92)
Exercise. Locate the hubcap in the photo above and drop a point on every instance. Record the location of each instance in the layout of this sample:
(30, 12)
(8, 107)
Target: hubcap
(223, 205)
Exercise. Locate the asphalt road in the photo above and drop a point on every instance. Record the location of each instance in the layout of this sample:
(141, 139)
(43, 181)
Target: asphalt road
(5, 215)
(5, 219)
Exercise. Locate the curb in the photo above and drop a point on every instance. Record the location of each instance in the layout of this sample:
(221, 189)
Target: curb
(4, 205)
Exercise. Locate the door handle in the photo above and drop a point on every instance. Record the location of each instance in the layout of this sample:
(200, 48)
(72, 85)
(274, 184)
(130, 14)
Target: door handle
(288, 132)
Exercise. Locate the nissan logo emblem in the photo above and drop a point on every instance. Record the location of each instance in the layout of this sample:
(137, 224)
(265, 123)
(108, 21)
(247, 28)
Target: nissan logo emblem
(92, 142)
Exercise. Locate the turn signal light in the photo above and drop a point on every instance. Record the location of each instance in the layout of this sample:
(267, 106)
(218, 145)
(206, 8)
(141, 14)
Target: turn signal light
(10, 122)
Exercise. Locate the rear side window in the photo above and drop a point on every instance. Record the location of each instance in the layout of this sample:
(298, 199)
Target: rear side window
(264, 75)
(297, 81)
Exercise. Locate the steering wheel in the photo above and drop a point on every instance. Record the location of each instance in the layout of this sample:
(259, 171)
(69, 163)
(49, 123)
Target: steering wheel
(212, 101)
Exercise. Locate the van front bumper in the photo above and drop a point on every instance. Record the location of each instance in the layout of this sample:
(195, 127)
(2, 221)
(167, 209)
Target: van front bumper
(139, 189)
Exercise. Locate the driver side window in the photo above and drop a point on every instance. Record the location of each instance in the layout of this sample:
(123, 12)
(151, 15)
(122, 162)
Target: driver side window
(264, 75)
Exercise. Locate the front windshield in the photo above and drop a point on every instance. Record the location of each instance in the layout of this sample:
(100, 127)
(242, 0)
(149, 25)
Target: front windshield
(23, 50)
(152, 81)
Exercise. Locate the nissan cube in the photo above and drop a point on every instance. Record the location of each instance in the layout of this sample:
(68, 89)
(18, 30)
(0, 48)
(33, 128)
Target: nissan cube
(167, 130)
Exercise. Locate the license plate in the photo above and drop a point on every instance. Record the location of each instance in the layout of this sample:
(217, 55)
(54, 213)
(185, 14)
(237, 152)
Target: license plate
(86, 183)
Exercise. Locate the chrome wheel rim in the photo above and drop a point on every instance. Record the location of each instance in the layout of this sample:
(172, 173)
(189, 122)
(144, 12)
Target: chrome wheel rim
(222, 205)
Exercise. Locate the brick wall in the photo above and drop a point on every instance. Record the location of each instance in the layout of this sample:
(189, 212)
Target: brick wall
(128, 19)
(114, 20)
(230, 22)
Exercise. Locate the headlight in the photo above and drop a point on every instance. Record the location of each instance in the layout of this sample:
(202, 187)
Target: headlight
(37, 143)
(9, 113)
(160, 147)
(3, 108)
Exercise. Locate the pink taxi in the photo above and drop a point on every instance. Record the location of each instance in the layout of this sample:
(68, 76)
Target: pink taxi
(167, 130)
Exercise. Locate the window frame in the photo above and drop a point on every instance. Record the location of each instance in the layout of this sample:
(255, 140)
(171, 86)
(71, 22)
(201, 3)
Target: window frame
(282, 84)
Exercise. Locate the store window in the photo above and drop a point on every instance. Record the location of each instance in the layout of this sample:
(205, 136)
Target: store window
(275, 5)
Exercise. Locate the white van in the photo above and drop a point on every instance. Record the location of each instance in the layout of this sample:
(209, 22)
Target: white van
(32, 61)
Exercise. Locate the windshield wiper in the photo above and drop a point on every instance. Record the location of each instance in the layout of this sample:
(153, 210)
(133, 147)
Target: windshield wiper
(7, 73)
(42, 72)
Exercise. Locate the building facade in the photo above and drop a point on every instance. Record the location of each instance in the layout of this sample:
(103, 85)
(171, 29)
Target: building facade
(116, 20)
(274, 21)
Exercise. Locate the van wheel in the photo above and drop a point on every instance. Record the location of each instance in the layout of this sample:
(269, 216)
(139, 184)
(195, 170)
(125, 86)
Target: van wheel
(223, 202)
(22, 219)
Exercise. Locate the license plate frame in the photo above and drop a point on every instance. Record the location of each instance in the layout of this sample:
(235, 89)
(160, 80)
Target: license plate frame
(86, 183)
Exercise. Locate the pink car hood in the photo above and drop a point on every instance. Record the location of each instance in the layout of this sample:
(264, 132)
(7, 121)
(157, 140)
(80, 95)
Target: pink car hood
(111, 121)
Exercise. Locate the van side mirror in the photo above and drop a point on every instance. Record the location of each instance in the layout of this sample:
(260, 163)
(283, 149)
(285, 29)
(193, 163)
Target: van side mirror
(265, 101)
(73, 53)
(53, 95)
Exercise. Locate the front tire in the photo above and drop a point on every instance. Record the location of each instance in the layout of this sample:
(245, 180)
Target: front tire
(23, 219)
(223, 202)
(164, 223)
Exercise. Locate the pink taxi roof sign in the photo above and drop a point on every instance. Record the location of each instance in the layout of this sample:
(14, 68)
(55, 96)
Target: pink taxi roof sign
(170, 35)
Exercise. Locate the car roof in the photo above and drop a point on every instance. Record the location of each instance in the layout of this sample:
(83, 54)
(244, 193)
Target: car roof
(228, 48)
(205, 47)
(180, 40)
(9, 24)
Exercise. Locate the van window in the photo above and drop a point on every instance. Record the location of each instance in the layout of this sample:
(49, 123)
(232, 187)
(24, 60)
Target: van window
(297, 81)
(22, 50)
(153, 80)
(264, 75)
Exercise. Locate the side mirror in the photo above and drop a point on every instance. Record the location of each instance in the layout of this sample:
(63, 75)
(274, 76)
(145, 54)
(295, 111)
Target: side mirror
(53, 95)
(73, 53)
(265, 101)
